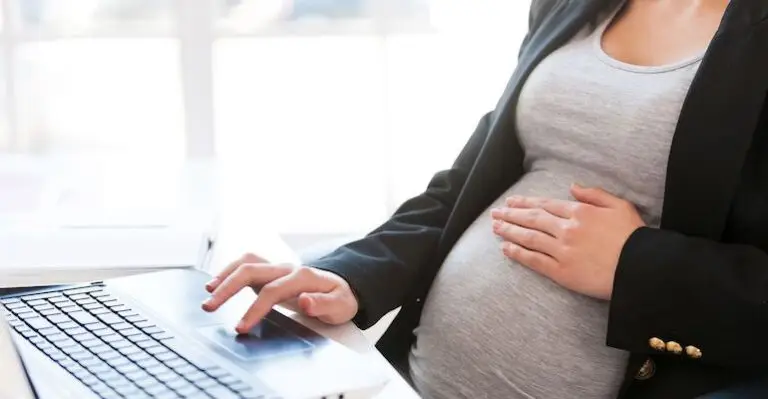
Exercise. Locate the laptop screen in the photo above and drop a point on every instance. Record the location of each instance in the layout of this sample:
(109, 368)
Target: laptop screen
(16, 383)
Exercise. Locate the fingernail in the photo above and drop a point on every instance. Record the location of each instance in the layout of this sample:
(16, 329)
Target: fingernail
(240, 326)
(208, 303)
(496, 212)
(212, 282)
(497, 224)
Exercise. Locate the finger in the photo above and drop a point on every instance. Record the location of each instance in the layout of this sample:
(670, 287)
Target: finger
(528, 238)
(560, 208)
(247, 258)
(596, 196)
(329, 307)
(244, 276)
(538, 262)
(533, 218)
(281, 290)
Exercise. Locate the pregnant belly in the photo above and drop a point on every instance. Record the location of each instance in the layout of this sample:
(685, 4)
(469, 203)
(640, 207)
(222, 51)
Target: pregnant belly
(491, 325)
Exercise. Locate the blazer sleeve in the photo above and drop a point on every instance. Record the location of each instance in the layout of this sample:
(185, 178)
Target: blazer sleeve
(697, 292)
(382, 267)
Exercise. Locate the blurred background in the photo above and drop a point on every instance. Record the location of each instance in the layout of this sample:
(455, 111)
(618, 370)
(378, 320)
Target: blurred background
(328, 113)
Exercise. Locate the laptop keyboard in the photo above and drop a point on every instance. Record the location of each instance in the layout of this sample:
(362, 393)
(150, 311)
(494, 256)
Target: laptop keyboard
(114, 350)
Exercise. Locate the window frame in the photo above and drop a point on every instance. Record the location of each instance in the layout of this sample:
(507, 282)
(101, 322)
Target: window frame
(196, 30)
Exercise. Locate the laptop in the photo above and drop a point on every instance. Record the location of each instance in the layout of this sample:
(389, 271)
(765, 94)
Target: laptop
(145, 336)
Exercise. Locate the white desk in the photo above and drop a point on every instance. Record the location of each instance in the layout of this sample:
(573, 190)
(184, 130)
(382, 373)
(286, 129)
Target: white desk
(240, 230)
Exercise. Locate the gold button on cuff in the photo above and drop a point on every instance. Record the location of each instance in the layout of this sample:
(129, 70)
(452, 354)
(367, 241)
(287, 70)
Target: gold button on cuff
(646, 371)
(674, 347)
(657, 344)
(693, 352)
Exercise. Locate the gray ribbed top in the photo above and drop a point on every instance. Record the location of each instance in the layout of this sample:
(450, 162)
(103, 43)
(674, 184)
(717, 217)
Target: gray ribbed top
(494, 329)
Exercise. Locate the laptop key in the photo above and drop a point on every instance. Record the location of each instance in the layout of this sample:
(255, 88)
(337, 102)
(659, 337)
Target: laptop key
(96, 346)
(65, 325)
(157, 369)
(167, 376)
(147, 382)
(51, 312)
(127, 389)
(127, 368)
(9, 301)
(57, 299)
(137, 375)
(239, 386)
(84, 337)
(206, 382)
(108, 355)
(37, 302)
(38, 323)
(98, 311)
(75, 297)
(196, 375)
(90, 363)
(59, 318)
(187, 368)
(139, 337)
(104, 332)
(122, 343)
(119, 307)
(89, 379)
(220, 392)
(174, 363)
(156, 350)
(146, 363)
(167, 395)
(130, 350)
(69, 309)
(83, 290)
(65, 343)
(118, 361)
(82, 356)
(156, 390)
(112, 338)
(188, 391)
(56, 337)
(136, 319)
(95, 326)
(147, 344)
(164, 357)
(83, 317)
(228, 379)
(110, 318)
(85, 301)
(28, 333)
(121, 326)
(43, 307)
(152, 330)
(178, 383)
(130, 331)
(75, 331)
(135, 357)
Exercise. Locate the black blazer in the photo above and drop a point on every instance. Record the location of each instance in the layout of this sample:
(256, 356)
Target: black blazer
(701, 279)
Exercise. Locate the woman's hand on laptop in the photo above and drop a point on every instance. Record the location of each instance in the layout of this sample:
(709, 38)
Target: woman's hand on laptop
(318, 293)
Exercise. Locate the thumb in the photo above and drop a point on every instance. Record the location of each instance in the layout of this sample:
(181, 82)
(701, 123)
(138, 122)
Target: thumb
(595, 196)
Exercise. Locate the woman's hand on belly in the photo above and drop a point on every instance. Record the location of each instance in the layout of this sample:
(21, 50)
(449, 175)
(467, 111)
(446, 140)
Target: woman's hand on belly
(574, 243)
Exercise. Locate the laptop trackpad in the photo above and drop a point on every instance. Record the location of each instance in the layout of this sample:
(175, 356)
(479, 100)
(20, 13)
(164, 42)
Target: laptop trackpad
(267, 339)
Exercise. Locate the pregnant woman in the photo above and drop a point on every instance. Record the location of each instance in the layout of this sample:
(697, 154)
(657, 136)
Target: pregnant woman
(602, 234)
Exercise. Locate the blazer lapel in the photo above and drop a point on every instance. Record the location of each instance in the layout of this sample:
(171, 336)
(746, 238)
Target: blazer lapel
(716, 124)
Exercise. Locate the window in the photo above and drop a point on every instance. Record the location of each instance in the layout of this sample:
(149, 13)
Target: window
(340, 109)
